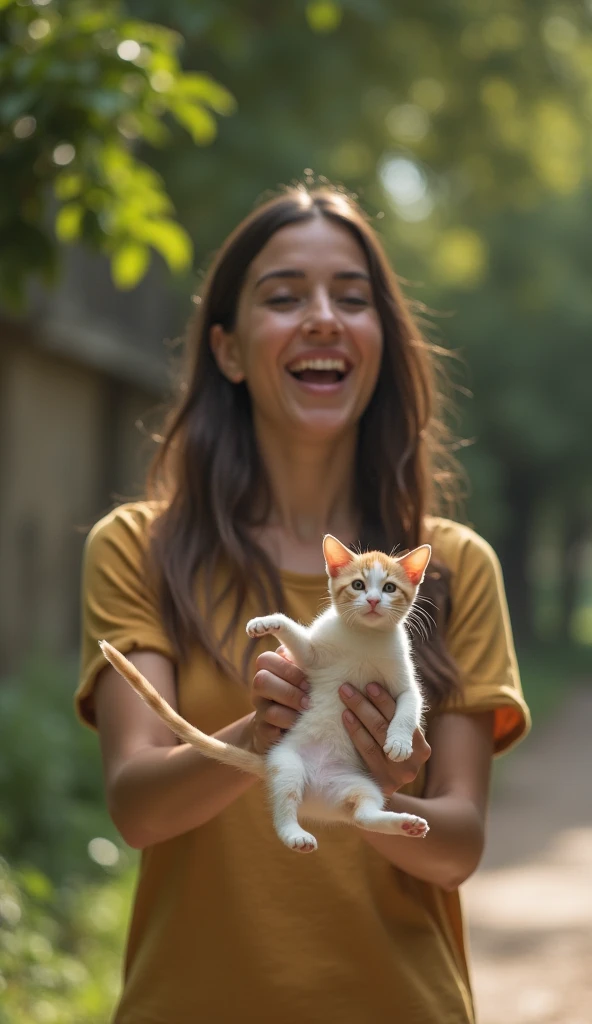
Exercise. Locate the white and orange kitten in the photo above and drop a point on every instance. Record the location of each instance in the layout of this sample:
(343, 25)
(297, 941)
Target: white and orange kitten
(314, 771)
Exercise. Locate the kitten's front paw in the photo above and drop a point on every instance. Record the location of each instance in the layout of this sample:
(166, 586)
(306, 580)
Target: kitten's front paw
(263, 625)
(398, 747)
(415, 827)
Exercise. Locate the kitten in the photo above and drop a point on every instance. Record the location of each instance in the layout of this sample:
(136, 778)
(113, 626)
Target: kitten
(314, 771)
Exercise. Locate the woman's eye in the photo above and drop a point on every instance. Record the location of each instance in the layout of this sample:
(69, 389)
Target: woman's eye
(389, 588)
(355, 300)
(281, 300)
(358, 585)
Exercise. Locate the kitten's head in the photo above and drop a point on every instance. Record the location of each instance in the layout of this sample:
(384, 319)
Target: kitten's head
(373, 590)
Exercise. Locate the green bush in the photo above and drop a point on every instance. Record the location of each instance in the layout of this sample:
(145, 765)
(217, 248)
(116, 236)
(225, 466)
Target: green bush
(51, 791)
(60, 947)
(65, 876)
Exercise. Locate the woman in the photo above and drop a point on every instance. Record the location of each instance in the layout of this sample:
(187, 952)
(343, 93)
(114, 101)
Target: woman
(308, 407)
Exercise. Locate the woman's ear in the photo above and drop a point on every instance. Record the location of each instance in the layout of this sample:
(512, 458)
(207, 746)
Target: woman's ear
(226, 353)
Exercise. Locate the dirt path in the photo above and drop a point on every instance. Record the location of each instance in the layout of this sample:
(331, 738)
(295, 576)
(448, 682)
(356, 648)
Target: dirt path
(529, 906)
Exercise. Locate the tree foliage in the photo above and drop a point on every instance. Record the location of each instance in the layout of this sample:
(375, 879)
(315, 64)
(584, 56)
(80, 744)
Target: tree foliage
(84, 87)
(464, 127)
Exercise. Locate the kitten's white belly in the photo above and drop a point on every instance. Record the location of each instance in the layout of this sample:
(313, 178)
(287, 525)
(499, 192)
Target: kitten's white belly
(320, 738)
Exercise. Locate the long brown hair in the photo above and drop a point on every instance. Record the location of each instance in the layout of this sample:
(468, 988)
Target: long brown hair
(210, 476)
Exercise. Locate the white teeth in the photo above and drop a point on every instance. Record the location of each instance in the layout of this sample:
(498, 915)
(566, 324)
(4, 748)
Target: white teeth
(318, 364)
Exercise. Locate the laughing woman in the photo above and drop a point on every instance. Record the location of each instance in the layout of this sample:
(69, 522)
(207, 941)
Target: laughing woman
(308, 407)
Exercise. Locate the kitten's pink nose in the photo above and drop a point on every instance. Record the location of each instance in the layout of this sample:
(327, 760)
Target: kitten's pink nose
(373, 601)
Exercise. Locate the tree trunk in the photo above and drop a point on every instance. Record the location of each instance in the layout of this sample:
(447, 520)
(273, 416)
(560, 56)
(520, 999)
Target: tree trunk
(575, 533)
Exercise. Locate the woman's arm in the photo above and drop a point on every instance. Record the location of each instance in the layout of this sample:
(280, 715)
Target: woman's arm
(157, 788)
(454, 805)
(456, 793)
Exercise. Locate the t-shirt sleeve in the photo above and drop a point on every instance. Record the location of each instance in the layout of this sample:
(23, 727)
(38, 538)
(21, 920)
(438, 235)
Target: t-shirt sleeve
(119, 600)
(479, 638)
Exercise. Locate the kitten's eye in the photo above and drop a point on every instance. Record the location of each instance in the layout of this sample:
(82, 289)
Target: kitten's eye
(389, 588)
(358, 585)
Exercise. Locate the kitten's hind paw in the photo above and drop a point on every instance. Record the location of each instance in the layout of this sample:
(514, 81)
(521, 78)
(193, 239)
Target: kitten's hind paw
(301, 841)
(263, 625)
(398, 748)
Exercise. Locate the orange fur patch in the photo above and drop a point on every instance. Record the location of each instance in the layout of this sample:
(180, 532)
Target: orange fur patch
(360, 566)
(406, 570)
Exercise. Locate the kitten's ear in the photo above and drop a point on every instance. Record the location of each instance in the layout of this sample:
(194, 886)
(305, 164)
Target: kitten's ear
(337, 556)
(415, 563)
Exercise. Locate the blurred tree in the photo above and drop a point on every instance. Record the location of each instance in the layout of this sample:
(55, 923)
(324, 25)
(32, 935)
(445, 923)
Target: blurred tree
(82, 87)
(471, 102)
(526, 337)
(464, 127)
(467, 126)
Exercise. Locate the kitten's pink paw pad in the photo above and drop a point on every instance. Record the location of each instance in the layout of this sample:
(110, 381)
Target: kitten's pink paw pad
(302, 843)
(263, 625)
(416, 828)
(398, 749)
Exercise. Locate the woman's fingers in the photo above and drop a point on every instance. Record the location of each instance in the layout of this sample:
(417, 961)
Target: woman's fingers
(382, 699)
(367, 719)
(265, 736)
(373, 717)
(279, 695)
(279, 665)
(369, 750)
(277, 714)
(269, 687)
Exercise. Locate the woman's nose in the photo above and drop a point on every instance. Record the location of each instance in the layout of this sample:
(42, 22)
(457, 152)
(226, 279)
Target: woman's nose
(320, 317)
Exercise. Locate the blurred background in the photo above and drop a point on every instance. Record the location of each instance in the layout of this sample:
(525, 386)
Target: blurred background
(133, 137)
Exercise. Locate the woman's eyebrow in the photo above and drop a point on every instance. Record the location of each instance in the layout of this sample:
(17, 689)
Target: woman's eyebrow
(280, 273)
(341, 275)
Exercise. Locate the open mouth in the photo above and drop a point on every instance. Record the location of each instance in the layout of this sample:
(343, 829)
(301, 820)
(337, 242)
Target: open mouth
(327, 371)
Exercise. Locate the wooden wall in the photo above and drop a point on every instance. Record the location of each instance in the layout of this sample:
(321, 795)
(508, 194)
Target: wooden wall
(69, 450)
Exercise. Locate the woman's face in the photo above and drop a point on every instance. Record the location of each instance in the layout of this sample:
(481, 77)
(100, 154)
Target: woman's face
(307, 339)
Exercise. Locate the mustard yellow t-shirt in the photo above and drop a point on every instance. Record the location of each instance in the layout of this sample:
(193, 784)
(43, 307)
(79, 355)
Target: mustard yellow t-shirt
(227, 923)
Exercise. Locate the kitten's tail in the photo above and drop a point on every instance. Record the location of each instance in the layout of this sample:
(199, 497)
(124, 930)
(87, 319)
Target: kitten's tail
(207, 745)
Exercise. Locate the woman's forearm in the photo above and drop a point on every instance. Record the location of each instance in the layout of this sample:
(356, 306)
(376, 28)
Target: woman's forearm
(452, 848)
(162, 792)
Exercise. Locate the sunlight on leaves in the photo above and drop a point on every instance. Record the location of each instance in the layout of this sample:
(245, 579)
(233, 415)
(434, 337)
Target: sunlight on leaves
(128, 266)
(169, 239)
(560, 33)
(196, 119)
(201, 87)
(323, 15)
(460, 258)
(67, 185)
(68, 222)
(557, 147)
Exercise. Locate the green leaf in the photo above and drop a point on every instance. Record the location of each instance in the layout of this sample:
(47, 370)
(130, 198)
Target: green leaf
(201, 87)
(169, 239)
(129, 264)
(36, 884)
(5, 3)
(68, 222)
(66, 186)
(158, 36)
(148, 127)
(323, 15)
(196, 119)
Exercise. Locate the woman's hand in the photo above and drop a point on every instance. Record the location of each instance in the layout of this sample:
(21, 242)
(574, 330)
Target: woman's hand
(279, 694)
(367, 719)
